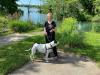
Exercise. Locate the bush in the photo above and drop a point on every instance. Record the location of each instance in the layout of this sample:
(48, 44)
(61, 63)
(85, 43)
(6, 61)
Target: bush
(68, 33)
(3, 24)
(21, 26)
(96, 18)
(96, 27)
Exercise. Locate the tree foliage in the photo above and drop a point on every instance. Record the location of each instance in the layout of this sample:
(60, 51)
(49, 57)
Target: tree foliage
(81, 9)
(97, 6)
(88, 6)
(8, 6)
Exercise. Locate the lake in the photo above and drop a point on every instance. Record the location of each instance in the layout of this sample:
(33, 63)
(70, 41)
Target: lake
(33, 16)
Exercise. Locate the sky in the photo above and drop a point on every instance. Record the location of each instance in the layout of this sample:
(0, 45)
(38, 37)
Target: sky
(33, 2)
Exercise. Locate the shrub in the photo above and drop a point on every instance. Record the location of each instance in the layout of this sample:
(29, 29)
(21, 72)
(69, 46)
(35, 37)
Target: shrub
(68, 33)
(96, 18)
(96, 27)
(3, 24)
(21, 26)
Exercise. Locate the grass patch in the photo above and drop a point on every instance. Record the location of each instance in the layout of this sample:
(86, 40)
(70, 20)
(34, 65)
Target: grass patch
(21, 26)
(92, 48)
(36, 29)
(81, 43)
(92, 38)
(13, 56)
(6, 33)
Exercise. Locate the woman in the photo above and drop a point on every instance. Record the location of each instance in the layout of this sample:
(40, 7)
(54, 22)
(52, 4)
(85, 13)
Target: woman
(49, 31)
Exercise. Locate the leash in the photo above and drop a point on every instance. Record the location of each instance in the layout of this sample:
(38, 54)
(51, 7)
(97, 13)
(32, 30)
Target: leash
(49, 40)
(49, 37)
(48, 48)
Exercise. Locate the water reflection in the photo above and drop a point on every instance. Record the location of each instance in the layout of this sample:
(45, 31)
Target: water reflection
(88, 26)
(33, 16)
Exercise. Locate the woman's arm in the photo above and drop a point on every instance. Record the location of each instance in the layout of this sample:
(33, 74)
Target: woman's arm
(45, 31)
(53, 30)
(54, 27)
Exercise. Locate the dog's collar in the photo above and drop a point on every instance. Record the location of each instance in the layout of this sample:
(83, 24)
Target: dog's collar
(49, 48)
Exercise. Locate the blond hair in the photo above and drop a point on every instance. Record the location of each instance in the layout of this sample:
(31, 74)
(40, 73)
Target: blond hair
(49, 14)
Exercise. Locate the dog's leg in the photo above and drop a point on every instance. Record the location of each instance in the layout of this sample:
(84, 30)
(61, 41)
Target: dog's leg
(33, 51)
(46, 57)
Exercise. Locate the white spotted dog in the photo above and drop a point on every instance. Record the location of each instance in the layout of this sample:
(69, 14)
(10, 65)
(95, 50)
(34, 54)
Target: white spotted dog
(43, 48)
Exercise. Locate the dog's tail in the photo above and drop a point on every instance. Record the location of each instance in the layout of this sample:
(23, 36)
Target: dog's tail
(28, 49)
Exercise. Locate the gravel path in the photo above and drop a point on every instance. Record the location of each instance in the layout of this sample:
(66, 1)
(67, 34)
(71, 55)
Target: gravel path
(68, 64)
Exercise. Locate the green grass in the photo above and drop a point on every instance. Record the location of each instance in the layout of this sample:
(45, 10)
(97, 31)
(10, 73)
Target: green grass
(6, 33)
(36, 29)
(91, 48)
(13, 56)
(92, 38)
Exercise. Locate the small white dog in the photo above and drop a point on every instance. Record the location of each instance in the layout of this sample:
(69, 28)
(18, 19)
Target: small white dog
(42, 48)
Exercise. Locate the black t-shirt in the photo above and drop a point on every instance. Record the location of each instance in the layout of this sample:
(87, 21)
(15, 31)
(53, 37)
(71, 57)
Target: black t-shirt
(49, 27)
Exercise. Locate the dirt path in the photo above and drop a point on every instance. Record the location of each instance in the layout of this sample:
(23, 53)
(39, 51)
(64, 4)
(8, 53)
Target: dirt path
(68, 64)
(4, 40)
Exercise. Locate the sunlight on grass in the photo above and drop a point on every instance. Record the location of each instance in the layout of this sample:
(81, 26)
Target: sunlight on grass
(2, 59)
(92, 38)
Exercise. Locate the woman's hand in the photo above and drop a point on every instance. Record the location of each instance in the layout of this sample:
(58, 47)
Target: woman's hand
(45, 33)
(53, 30)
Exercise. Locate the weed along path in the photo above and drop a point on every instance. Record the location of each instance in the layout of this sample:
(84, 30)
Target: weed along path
(68, 64)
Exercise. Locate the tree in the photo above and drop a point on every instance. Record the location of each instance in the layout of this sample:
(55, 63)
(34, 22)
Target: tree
(65, 8)
(9, 6)
(97, 6)
(88, 6)
(55, 6)
(81, 9)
